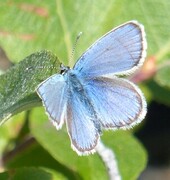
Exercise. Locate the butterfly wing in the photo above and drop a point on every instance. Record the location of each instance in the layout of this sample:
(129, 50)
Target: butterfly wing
(53, 94)
(117, 102)
(120, 51)
(81, 124)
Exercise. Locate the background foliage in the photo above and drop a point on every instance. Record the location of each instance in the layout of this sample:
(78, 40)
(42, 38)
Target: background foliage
(29, 145)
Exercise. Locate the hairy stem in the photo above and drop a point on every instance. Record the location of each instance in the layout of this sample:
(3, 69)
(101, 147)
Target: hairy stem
(17, 150)
(108, 157)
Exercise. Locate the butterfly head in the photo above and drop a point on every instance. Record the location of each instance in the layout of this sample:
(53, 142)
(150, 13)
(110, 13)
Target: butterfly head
(64, 69)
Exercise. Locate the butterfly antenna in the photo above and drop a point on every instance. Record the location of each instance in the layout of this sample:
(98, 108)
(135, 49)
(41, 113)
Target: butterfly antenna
(74, 46)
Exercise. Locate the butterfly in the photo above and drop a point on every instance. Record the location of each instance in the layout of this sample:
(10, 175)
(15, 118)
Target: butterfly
(94, 95)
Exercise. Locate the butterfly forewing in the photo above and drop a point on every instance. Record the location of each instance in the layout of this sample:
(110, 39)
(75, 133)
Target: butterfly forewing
(120, 51)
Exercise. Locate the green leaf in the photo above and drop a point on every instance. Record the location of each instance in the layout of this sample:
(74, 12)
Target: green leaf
(32, 156)
(29, 26)
(4, 176)
(163, 76)
(159, 93)
(7, 133)
(31, 173)
(18, 84)
(55, 175)
(129, 152)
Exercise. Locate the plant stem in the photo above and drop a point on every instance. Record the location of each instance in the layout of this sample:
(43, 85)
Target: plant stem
(17, 150)
(108, 157)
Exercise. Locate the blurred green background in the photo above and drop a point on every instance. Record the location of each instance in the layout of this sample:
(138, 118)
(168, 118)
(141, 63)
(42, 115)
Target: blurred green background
(30, 147)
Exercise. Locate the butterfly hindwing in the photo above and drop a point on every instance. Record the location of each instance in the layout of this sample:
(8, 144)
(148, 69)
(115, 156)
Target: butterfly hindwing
(53, 92)
(82, 124)
(117, 102)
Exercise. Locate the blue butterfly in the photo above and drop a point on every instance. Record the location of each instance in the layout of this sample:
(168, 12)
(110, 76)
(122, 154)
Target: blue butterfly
(93, 95)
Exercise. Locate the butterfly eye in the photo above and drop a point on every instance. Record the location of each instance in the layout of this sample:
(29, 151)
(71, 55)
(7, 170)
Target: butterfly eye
(63, 69)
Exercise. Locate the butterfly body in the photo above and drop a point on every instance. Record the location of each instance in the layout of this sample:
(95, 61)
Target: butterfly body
(92, 96)
(74, 82)
(76, 85)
